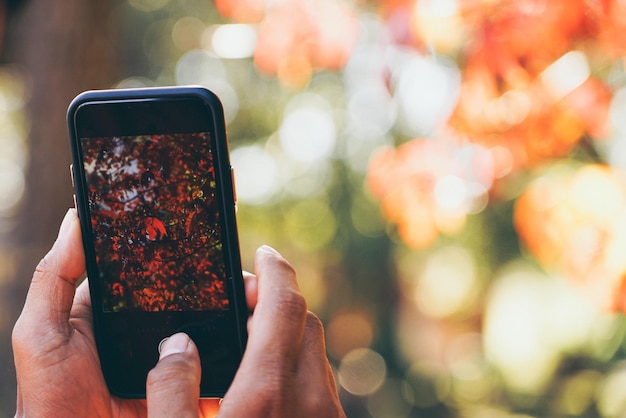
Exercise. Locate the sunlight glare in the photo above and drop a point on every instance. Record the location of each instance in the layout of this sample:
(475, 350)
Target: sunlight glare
(371, 110)
(308, 135)
(202, 68)
(233, 41)
(426, 92)
(439, 24)
(448, 283)
(199, 67)
(566, 74)
(451, 192)
(439, 8)
(514, 335)
(531, 320)
(616, 146)
(256, 174)
(618, 110)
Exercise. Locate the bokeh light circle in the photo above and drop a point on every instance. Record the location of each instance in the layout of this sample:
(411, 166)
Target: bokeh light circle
(362, 371)
(308, 135)
(256, 174)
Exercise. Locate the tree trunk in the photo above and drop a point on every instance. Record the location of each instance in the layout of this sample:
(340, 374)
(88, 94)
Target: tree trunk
(62, 49)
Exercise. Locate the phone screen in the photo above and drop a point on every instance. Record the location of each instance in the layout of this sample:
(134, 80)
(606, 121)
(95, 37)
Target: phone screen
(156, 222)
(155, 197)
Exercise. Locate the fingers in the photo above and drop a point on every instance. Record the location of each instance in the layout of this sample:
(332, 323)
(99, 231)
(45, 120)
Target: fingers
(52, 288)
(173, 386)
(284, 371)
(313, 354)
(319, 391)
(81, 317)
(251, 288)
(279, 315)
(269, 364)
(82, 300)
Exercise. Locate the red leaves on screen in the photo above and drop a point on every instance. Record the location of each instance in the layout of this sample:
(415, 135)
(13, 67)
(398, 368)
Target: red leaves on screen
(155, 230)
(155, 220)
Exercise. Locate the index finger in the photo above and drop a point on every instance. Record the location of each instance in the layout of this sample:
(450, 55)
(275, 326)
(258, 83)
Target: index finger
(251, 289)
(277, 324)
(51, 293)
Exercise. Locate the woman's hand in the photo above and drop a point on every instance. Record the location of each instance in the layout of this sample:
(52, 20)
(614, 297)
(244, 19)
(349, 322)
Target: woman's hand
(284, 371)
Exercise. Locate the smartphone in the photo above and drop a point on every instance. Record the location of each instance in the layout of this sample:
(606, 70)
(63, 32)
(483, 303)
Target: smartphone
(155, 196)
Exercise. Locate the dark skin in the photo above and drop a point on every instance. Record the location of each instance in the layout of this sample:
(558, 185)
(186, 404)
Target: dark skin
(284, 371)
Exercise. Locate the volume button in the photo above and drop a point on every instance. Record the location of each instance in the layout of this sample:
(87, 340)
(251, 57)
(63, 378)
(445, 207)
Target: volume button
(72, 174)
(232, 178)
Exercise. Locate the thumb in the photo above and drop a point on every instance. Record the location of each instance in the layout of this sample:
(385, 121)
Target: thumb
(173, 386)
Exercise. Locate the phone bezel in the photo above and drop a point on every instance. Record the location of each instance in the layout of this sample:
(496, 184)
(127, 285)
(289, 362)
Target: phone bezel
(203, 113)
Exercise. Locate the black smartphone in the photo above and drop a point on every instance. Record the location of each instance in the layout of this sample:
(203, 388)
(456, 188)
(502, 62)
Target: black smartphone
(155, 197)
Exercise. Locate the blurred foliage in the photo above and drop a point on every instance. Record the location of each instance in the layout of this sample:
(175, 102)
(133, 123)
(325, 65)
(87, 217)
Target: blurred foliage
(447, 177)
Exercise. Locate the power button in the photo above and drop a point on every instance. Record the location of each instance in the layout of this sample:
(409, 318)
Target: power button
(232, 177)
(72, 174)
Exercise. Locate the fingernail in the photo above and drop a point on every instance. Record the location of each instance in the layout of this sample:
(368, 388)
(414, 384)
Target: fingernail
(67, 221)
(177, 343)
(268, 249)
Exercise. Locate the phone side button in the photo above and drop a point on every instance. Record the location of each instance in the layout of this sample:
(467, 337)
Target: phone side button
(232, 177)
(75, 205)
(72, 174)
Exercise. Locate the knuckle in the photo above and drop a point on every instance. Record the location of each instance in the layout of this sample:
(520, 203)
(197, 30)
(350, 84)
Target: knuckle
(313, 340)
(19, 336)
(314, 324)
(286, 267)
(291, 303)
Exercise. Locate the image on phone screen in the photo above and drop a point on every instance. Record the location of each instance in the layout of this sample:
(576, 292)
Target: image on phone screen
(155, 218)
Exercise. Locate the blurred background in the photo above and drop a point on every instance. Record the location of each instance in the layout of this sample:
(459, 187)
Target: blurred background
(447, 177)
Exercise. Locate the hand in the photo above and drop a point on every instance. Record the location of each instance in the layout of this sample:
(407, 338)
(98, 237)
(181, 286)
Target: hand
(284, 372)
(56, 361)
